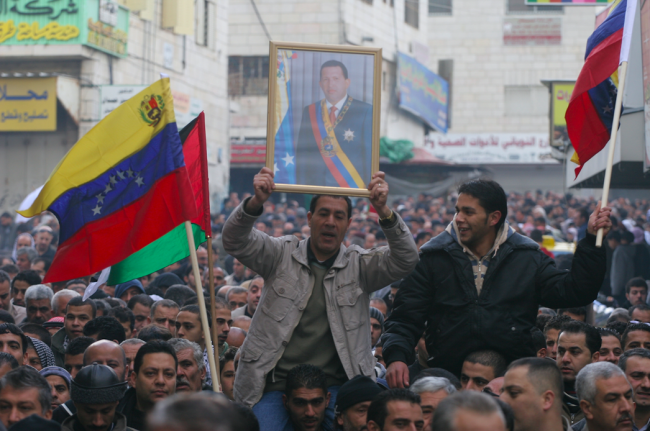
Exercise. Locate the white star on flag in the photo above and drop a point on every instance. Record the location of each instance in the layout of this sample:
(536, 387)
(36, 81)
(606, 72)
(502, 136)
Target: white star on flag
(97, 210)
(288, 160)
(112, 179)
(139, 181)
(120, 174)
(100, 199)
(108, 188)
(129, 172)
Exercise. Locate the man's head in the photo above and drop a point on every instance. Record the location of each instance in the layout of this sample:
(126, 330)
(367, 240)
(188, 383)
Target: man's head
(481, 209)
(223, 319)
(636, 291)
(238, 269)
(77, 314)
(468, 411)
(533, 387)
(200, 412)
(105, 328)
(43, 239)
(60, 301)
(606, 397)
(21, 283)
(431, 390)
(237, 297)
(128, 290)
(578, 345)
(395, 409)
(306, 397)
(131, 347)
(611, 347)
(163, 314)
(14, 342)
(227, 372)
(635, 336)
(5, 291)
(576, 313)
(41, 266)
(191, 371)
(640, 313)
(254, 294)
(74, 354)
(39, 303)
(109, 353)
(96, 392)
(334, 81)
(140, 305)
(188, 325)
(551, 332)
(24, 258)
(24, 392)
(328, 218)
(636, 365)
(479, 368)
(7, 363)
(59, 380)
(352, 402)
(126, 319)
(154, 374)
(376, 326)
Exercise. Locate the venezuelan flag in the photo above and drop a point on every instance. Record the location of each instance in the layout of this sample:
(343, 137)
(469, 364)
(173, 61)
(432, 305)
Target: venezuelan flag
(590, 113)
(121, 187)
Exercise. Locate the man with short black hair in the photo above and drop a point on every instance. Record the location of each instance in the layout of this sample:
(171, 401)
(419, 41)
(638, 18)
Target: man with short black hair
(105, 328)
(636, 292)
(24, 392)
(480, 368)
(468, 278)
(578, 346)
(74, 354)
(306, 398)
(252, 298)
(14, 342)
(533, 387)
(38, 299)
(635, 364)
(140, 305)
(352, 403)
(19, 285)
(126, 319)
(611, 347)
(77, 314)
(6, 299)
(395, 409)
(237, 297)
(163, 314)
(131, 347)
(179, 294)
(551, 332)
(606, 398)
(636, 335)
(640, 313)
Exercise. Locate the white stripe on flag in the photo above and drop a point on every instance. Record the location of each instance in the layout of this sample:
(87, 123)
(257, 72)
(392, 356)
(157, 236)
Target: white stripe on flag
(628, 26)
(92, 287)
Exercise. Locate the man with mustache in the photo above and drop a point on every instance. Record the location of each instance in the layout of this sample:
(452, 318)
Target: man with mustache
(636, 365)
(306, 397)
(606, 398)
(578, 346)
(190, 373)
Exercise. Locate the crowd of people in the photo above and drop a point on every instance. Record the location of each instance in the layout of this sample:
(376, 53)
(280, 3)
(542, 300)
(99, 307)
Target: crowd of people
(436, 314)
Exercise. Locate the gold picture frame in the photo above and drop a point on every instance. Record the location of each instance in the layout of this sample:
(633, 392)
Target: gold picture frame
(331, 138)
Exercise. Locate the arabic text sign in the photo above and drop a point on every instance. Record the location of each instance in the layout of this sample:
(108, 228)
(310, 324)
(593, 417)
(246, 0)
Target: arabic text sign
(560, 97)
(494, 148)
(423, 93)
(113, 96)
(27, 104)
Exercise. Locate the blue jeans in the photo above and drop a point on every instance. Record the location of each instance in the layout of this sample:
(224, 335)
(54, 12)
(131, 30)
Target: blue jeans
(272, 415)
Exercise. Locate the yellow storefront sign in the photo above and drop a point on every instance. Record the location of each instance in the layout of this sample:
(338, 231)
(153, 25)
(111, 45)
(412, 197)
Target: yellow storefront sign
(560, 97)
(27, 104)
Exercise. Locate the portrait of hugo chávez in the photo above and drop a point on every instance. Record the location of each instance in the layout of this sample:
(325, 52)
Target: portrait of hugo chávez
(334, 145)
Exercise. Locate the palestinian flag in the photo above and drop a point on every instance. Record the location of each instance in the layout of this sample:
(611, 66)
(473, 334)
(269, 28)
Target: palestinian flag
(173, 247)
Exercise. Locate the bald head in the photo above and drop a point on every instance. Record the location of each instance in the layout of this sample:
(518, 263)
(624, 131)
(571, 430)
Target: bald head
(109, 353)
(236, 337)
(243, 322)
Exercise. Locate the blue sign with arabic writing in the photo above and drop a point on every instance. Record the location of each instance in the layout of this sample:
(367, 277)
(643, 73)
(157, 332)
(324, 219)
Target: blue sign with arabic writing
(422, 92)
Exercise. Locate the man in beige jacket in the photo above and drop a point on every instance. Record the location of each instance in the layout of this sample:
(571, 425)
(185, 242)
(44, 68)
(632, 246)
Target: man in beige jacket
(314, 307)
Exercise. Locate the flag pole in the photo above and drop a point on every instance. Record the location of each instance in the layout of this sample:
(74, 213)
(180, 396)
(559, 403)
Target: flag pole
(204, 315)
(213, 300)
(622, 73)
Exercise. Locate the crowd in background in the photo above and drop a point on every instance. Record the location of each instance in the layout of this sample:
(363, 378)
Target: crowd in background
(115, 361)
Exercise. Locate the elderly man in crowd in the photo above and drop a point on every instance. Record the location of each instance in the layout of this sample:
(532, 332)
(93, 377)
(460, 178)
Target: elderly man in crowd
(60, 301)
(38, 299)
(432, 390)
(191, 371)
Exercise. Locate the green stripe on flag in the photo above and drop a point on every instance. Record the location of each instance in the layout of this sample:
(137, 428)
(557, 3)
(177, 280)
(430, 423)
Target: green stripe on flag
(163, 252)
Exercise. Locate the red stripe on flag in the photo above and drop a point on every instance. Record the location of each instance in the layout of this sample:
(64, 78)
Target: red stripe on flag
(196, 160)
(109, 240)
(600, 64)
(585, 128)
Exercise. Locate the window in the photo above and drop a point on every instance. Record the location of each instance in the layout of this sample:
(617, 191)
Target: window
(248, 76)
(205, 23)
(412, 12)
(440, 7)
(520, 7)
(526, 100)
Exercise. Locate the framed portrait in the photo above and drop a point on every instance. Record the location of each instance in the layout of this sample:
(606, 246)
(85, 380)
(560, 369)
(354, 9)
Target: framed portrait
(323, 117)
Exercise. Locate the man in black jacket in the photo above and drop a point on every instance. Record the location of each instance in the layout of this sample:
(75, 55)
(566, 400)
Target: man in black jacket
(478, 286)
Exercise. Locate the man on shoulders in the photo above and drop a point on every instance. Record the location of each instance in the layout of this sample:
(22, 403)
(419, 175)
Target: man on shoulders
(315, 305)
(469, 279)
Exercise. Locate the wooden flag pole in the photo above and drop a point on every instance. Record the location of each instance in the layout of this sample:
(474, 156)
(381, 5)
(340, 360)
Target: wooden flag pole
(213, 297)
(622, 73)
(204, 315)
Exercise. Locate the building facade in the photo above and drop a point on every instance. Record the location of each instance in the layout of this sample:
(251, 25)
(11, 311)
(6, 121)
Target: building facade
(97, 54)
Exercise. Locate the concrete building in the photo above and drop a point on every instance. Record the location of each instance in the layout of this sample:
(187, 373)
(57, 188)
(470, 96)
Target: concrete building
(111, 52)
(499, 52)
(393, 25)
